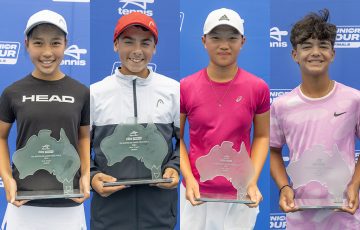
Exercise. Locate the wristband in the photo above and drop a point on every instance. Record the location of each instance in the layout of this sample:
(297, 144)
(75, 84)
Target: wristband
(287, 185)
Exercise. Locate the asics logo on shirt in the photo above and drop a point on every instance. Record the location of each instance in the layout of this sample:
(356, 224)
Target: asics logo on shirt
(338, 114)
(48, 98)
(238, 99)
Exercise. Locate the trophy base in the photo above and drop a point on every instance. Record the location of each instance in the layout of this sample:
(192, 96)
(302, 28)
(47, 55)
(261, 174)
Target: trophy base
(320, 203)
(214, 197)
(137, 182)
(47, 194)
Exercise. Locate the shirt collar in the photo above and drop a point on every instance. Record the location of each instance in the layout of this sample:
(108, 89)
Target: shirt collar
(139, 80)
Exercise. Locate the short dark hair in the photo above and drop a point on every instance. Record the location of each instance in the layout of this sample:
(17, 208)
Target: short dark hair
(314, 26)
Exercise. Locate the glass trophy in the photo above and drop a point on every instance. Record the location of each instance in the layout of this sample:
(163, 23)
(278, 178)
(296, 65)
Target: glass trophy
(146, 144)
(223, 160)
(59, 158)
(326, 168)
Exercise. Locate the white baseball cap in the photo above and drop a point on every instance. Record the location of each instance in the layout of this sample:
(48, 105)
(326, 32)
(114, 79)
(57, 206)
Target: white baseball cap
(46, 16)
(224, 16)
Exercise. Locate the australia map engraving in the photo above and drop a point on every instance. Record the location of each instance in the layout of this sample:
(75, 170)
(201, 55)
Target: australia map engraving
(326, 167)
(223, 160)
(146, 144)
(58, 157)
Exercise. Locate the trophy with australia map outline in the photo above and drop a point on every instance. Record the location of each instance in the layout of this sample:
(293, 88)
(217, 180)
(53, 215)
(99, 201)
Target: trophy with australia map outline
(327, 168)
(58, 157)
(223, 160)
(146, 144)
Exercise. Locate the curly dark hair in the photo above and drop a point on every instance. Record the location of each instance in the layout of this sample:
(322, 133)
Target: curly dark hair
(314, 26)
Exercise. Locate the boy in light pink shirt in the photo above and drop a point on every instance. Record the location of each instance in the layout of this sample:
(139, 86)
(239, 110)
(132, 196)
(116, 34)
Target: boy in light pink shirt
(319, 112)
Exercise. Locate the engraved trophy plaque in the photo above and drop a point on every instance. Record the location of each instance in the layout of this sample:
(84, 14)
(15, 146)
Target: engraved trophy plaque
(146, 144)
(59, 158)
(236, 167)
(326, 168)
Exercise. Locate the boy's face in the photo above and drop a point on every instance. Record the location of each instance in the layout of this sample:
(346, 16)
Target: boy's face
(223, 45)
(46, 47)
(314, 56)
(135, 48)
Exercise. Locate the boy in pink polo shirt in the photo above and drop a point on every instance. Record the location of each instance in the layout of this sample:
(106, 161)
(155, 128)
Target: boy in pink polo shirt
(221, 103)
(319, 112)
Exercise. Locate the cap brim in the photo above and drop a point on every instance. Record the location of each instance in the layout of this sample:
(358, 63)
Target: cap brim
(137, 24)
(27, 30)
(222, 24)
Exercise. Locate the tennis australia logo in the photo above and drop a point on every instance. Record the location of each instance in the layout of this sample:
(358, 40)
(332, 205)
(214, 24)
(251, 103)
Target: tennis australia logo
(134, 136)
(274, 93)
(224, 17)
(276, 36)
(46, 149)
(75, 52)
(142, 4)
(48, 98)
(348, 37)
(182, 15)
(277, 221)
(9, 52)
(117, 64)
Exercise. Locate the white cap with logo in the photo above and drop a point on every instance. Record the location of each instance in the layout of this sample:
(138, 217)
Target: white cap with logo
(46, 16)
(224, 16)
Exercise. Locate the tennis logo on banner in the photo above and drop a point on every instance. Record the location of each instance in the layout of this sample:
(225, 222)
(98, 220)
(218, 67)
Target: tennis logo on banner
(182, 15)
(75, 52)
(135, 6)
(347, 37)
(9, 52)
(277, 38)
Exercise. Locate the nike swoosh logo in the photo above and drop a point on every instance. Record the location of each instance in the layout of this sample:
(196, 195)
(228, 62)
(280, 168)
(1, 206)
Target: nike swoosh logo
(338, 114)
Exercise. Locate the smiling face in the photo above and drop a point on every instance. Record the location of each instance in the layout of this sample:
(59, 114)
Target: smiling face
(223, 45)
(46, 45)
(135, 47)
(314, 56)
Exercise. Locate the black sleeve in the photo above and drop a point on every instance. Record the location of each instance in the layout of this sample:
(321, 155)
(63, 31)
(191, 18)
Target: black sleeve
(85, 112)
(93, 167)
(6, 109)
(174, 161)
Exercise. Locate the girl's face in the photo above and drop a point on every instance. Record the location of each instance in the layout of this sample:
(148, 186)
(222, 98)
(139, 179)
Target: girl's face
(46, 45)
(223, 45)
